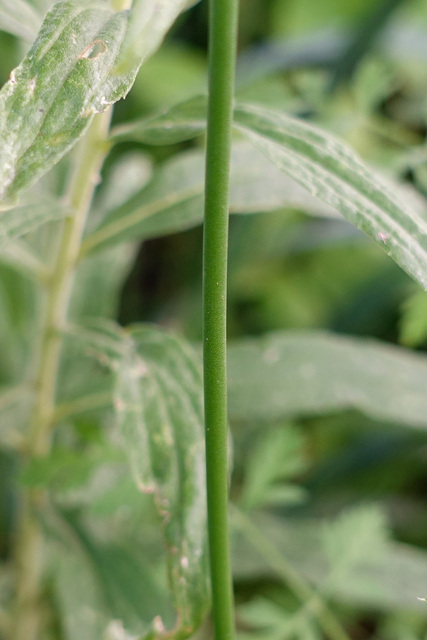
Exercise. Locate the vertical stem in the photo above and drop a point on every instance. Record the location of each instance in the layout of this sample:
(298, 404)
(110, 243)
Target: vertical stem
(29, 536)
(82, 185)
(222, 46)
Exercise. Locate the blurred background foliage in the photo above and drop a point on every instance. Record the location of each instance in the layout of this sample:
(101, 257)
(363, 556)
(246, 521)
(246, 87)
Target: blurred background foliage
(358, 68)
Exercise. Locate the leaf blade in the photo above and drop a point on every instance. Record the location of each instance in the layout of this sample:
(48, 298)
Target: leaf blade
(73, 71)
(181, 122)
(333, 173)
(158, 404)
(296, 373)
(19, 18)
(173, 200)
(159, 409)
(27, 217)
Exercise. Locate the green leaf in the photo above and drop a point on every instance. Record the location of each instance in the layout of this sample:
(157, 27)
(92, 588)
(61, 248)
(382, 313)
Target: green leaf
(304, 373)
(18, 308)
(21, 254)
(374, 583)
(352, 540)
(84, 59)
(271, 621)
(19, 18)
(158, 400)
(23, 219)
(101, 339)
(276, 459)
(79, 598)
(89, 356)
(181, 122)
(148, 22)
(98, 584)
(262, 613)
(173, 200)
(333, 173)
(15, 409)
(159, 410)
(129, 174)
(104, 273)
(64, 469)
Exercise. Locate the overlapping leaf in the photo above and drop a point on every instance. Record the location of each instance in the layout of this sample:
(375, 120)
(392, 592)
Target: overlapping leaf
(383, 580)
(96, 583)
(19, 18)
(181, 122)
(84, 59)
(25, 218)
(93, 585)
(159, 408)
(158, 404)
(333, 173)
(104, 273)
(327, 168)
(173, 200)
(306, 373)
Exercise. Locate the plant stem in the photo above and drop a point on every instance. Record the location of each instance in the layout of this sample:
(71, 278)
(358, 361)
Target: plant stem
(311, 600)
(222, 52)
(29, 537)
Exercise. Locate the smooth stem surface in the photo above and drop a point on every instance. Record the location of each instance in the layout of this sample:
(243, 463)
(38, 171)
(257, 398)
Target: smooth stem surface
(222, 46)
(29, 537)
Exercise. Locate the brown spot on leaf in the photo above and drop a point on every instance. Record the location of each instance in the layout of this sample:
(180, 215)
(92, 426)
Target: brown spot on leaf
(94, 50)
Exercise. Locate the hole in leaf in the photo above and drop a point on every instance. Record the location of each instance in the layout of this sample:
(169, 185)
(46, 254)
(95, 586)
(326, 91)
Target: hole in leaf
(94, 50)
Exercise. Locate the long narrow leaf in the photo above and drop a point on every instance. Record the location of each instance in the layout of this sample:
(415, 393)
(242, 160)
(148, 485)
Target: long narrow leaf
(19, 18)
(333, 173)
(181, 122)
(173, 200)
(309, 373)
(158, 407)
(20, 220)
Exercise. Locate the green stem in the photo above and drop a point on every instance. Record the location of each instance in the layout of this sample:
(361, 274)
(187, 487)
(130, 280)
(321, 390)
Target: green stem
(29, 537)
(311, 600)
(83, 182)
(222, 51)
